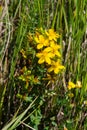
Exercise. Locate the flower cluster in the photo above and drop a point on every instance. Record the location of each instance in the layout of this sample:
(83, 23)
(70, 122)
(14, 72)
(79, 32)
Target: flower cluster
(71, 85)
(48, 51)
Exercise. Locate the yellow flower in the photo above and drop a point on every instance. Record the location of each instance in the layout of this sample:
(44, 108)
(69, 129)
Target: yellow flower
(52, 35)
(44, 56)
(56, 67)
(78, 84)
(54, 49)
(41, 41)
(71, 85)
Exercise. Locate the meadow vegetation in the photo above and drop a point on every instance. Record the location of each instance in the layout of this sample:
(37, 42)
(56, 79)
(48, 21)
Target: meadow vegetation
(43, 64)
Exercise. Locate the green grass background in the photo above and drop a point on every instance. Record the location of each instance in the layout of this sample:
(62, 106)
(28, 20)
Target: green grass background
(69, 19)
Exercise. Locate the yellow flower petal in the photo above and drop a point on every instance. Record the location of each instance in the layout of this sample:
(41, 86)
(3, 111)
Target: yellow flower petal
(38, 55)
(56, 70)
(50, 69)
(36, 39)
(58, 54)
(48, 49)
(46, 42)
(52, 35)
(71, 85)
(41, 60)
(39, 46)
(48, 60)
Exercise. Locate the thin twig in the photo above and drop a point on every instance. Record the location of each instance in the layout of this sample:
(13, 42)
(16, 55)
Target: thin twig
(27, 125)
